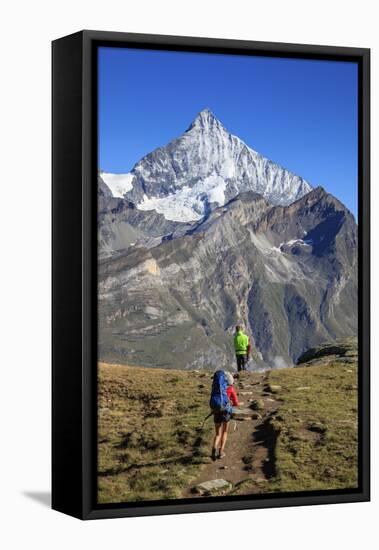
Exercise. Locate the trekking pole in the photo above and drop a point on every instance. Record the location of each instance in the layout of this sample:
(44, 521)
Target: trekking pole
(206, 418)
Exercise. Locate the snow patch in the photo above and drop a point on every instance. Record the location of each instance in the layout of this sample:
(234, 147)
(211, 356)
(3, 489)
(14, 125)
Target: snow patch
(301, 242)
(215, 186)
(119, 184)
(188, 203)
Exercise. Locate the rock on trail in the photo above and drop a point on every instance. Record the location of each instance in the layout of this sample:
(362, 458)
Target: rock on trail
(215, 486)
(241, 414)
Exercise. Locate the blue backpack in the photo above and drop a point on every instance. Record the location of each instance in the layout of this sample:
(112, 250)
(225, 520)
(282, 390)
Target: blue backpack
(219, 400)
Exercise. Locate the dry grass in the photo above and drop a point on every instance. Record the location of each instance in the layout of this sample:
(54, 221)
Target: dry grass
(316, 426)
(150, 442)
(151, 446)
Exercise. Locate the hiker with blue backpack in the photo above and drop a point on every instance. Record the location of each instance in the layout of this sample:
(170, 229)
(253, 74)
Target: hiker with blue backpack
(223, 398)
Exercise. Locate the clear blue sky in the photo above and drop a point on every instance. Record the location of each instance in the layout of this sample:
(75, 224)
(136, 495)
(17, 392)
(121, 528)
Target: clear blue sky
(301, 114)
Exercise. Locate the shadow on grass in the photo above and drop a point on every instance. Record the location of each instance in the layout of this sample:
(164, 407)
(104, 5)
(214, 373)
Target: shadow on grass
(267, 436)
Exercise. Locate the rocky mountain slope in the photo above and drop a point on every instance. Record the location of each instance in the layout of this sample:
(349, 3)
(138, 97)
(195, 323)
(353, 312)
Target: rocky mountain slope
(288, 273)
(122, 225)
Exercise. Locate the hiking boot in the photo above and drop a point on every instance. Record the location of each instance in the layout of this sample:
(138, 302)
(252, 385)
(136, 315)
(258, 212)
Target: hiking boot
(221, 455)
(214, 454)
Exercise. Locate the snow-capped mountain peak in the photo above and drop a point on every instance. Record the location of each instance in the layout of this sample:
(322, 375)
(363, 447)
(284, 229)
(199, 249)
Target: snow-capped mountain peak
(206, 121)
(204, 168)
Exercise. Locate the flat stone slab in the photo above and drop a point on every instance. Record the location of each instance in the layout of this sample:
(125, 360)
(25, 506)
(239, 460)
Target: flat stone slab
(239, 414)
(213, 486)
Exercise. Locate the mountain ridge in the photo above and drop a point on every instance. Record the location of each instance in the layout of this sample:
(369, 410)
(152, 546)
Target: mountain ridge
(287, 273)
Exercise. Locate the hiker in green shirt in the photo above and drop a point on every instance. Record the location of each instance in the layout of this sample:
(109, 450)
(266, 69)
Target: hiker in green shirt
(242, 348)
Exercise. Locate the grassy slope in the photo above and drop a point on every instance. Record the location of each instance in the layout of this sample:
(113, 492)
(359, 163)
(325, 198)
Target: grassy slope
(316, 446)
(151, 447)
(150, 444)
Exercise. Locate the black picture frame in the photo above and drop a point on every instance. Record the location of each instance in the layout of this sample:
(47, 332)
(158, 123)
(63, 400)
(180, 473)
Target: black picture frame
(74, 268)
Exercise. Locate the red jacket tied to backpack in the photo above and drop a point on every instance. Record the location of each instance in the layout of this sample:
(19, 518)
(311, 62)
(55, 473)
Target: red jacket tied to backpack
(232, 396)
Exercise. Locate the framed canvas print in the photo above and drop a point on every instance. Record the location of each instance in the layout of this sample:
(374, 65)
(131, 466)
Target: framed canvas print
(210, 274)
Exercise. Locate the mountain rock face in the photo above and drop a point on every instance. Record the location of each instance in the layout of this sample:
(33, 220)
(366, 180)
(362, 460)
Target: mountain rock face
(287, 272)
(202, 169)
(121, 225)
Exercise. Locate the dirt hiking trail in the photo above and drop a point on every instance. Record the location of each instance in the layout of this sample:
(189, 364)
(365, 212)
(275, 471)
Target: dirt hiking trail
(249, 461)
